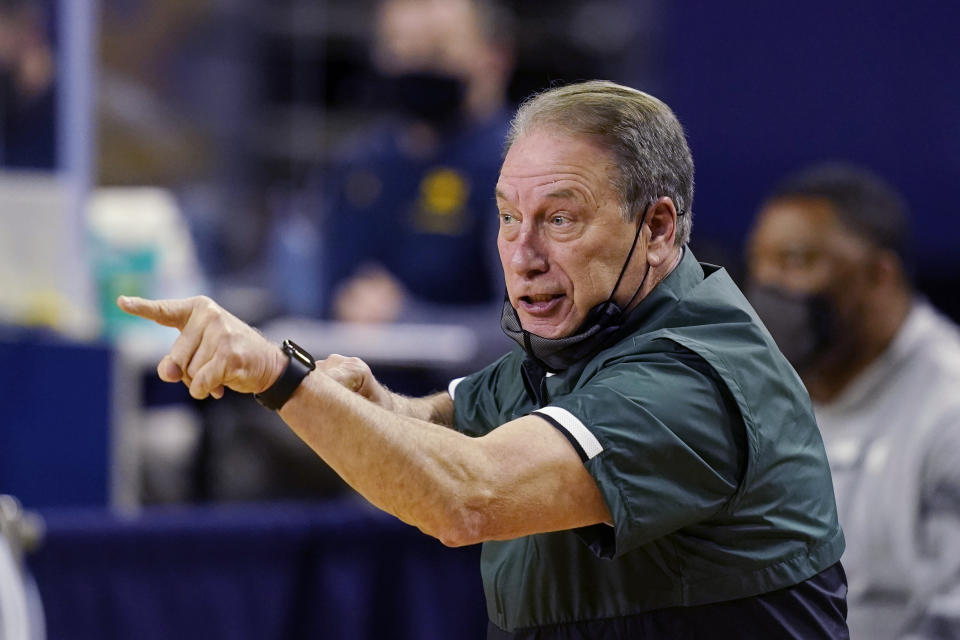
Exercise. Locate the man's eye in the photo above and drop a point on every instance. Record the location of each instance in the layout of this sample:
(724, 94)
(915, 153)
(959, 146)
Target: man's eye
(558, 220)
(797, 259)
(506, 218)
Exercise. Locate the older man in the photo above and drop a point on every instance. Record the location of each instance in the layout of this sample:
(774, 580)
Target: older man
(646, 466)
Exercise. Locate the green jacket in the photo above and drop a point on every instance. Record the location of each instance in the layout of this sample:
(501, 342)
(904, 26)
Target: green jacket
(702, 441)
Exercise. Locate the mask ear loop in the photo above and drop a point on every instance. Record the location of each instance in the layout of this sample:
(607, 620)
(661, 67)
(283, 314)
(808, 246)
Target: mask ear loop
(626, 264)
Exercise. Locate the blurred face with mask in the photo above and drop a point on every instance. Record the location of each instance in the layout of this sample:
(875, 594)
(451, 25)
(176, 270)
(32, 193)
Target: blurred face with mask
(437, 63)
(830, 298)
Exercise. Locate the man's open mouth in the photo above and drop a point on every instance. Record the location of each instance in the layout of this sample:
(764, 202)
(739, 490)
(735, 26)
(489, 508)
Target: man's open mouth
(541, 303)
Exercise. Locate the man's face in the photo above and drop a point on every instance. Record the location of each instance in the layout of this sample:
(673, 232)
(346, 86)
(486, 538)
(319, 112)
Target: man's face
(428, 35)
(562, 238)
(800, 245)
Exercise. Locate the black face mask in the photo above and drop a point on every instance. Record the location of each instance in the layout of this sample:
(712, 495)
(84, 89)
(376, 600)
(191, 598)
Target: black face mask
(8, 91)
(433, 97)
(601, 323)
(804, 326)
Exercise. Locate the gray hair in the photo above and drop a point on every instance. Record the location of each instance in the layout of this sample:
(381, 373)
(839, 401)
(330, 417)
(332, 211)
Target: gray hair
(646, 140)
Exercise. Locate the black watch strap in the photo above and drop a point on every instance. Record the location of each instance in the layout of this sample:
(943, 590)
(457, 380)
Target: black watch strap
(299, 365)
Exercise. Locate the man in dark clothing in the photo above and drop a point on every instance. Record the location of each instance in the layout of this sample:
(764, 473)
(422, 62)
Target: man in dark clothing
(646, 465)
(28, 97)
(410, 227)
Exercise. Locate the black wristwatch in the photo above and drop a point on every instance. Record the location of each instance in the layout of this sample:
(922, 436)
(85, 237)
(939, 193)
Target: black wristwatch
(300, 364)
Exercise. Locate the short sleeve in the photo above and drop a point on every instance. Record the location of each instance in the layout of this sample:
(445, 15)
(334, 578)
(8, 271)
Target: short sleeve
(663, 439)
(479, 399)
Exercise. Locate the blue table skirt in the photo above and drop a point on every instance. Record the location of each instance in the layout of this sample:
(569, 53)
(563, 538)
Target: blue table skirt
(283, 571)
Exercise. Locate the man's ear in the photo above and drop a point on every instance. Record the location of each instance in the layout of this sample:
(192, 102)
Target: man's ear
(886, 269)
(662, 221)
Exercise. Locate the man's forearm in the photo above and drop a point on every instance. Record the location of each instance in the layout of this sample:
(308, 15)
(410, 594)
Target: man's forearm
(436, 408)
(416, 469)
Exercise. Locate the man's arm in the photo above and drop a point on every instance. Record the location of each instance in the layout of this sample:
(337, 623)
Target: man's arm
(355, 375)
(522, 478)
(934, 609)
(436, 408)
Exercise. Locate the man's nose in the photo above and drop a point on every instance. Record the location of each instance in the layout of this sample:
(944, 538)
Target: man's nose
(528, 255)
(765, 272)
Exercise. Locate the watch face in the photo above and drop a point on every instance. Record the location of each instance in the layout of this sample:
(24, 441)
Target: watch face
(298, 352)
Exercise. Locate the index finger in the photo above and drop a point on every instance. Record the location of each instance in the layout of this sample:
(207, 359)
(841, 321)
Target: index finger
(169, 313)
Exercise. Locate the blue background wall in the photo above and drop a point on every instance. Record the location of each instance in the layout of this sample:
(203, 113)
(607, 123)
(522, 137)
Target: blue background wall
(766, 87)
(54, 421)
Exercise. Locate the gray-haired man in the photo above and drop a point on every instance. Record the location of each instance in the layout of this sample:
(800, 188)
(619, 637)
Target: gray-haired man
(647, 465)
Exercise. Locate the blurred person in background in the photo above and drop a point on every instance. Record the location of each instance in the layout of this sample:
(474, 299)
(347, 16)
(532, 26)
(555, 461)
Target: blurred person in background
(27, 96)
(827, 260)
(410, 228)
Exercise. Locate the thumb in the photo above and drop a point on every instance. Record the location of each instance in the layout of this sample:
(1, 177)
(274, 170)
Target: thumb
(168, 370)
(170, 313)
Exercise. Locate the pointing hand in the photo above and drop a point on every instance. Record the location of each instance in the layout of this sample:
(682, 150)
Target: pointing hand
(215, 349)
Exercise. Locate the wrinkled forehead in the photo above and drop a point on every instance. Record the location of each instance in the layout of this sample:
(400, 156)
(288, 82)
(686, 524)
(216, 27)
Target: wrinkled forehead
(554, 162)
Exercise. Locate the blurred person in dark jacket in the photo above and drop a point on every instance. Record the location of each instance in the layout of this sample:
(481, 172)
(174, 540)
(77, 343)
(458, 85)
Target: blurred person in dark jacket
(826, 264)
(27, 96)
(411, 222)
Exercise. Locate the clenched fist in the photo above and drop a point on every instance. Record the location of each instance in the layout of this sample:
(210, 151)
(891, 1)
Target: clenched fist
(355, 375)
